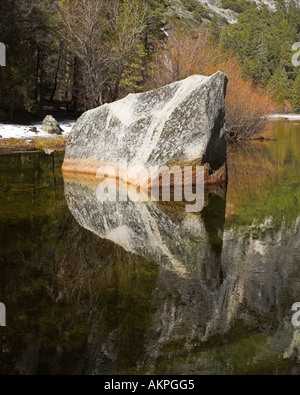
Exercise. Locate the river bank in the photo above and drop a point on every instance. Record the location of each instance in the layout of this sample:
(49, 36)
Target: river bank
(13, 146)
(21, 138)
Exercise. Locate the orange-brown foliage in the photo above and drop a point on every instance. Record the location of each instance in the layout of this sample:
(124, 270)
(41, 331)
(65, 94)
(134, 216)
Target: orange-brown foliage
(183, 55)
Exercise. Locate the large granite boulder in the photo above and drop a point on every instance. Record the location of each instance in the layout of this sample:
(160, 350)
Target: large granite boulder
(179, 124)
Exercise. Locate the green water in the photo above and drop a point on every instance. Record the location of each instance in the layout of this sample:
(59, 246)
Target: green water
(77, 303)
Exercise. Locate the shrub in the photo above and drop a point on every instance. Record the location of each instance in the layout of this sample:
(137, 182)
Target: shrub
(247, 106)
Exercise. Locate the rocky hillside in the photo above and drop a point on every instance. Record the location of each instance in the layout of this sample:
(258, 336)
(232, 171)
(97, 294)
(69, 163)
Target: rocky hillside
(185, 10)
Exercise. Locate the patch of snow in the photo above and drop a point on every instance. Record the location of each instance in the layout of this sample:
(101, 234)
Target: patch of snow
(8, 131)
(290, 117)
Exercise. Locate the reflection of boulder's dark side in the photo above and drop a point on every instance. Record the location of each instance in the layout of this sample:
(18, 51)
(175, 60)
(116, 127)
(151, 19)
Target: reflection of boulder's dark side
(214, 219)
(178, 124)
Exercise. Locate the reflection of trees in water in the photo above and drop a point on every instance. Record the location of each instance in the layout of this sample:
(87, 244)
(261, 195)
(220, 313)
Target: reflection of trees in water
(264, 179)
(250, 169)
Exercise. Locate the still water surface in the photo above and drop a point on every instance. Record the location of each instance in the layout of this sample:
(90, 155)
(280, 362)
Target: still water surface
(135, 288)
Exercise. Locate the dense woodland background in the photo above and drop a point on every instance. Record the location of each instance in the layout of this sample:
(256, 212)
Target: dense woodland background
(78, 54)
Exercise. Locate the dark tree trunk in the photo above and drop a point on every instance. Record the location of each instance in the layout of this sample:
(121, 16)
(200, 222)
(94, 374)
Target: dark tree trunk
(75, 91)
(55, 79)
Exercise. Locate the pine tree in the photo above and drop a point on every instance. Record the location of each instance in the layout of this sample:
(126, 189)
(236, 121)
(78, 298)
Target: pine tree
(280, 85)
(214, 30)
(30, 33)
(296, 95)
(260, 70)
